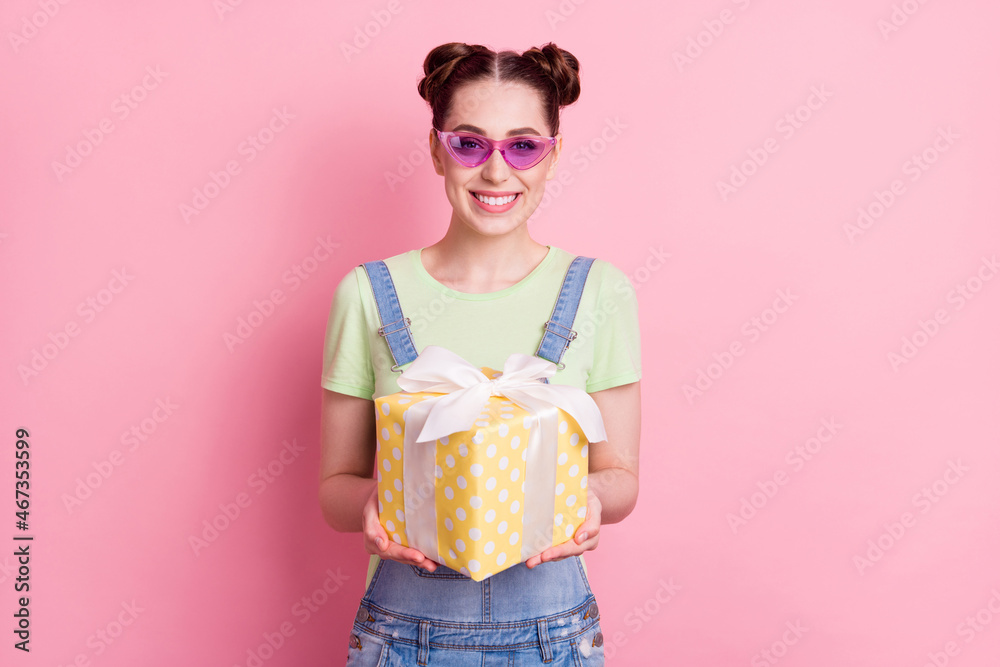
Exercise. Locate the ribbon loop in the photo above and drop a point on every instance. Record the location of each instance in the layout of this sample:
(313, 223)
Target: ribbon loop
(465, 390)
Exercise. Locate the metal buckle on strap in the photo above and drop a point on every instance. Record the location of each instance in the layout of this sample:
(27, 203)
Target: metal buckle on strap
(383, 332)
(570, 337)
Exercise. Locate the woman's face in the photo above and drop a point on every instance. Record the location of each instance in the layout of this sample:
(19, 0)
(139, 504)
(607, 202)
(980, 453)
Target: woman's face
(496, 111)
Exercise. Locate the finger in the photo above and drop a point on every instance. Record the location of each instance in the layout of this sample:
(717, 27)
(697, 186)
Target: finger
(559, 552)
(410, 556)
(586, 532)
(581, 542)
(373, 530)
(425, 561)
(376, 539)
(590, 527)
(555, 554)
(415, 556)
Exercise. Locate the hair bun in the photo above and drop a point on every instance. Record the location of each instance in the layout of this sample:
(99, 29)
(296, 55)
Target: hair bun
(562, 67)
(440, 63)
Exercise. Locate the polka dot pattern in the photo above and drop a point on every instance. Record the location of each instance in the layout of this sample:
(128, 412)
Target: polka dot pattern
(479, 479)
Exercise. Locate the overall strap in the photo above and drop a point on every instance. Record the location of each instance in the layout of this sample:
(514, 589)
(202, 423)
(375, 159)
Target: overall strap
(395, 328)
(558, 329)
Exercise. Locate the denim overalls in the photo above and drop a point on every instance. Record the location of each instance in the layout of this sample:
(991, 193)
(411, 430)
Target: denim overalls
(544, 616)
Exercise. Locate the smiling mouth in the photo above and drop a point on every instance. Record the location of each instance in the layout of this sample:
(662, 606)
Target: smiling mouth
(496, 201)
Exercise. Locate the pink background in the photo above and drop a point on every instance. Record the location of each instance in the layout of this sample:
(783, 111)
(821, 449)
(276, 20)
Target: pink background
(646, 147)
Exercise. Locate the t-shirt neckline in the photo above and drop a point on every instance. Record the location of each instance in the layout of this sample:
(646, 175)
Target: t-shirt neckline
(483, 296)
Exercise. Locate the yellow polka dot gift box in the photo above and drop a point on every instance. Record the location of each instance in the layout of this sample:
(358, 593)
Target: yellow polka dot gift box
(478, 469)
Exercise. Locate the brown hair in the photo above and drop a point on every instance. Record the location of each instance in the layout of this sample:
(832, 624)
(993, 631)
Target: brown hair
(553, 72)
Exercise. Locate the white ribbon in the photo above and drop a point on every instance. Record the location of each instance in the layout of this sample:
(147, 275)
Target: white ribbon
(465, 390)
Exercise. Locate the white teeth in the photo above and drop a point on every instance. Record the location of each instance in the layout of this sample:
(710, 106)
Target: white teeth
(495, 201)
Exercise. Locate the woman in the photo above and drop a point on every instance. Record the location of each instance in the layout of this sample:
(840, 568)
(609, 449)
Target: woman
(483, 291)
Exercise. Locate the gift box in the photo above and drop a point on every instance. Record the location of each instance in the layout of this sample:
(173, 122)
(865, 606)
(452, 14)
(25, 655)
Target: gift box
(480, 469)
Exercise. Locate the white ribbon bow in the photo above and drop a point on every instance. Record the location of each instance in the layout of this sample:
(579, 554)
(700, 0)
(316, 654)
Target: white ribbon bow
(439, 370)
(465, 390)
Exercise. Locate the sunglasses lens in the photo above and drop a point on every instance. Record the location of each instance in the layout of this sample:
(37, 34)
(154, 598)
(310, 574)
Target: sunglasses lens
(525, 152)
(467, 149)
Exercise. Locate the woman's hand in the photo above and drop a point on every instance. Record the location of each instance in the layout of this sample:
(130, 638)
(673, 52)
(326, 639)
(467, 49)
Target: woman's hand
(377, 540)
(584, 539)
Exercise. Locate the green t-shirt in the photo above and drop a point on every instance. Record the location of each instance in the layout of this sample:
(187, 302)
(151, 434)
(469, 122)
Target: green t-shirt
(484, 329)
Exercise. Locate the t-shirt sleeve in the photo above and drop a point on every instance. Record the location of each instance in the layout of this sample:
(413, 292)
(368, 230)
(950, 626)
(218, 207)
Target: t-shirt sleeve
(347, 359)
(617, 355)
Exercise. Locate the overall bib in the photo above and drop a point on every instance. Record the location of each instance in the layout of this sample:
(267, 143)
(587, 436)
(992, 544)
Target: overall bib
(518, 617)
